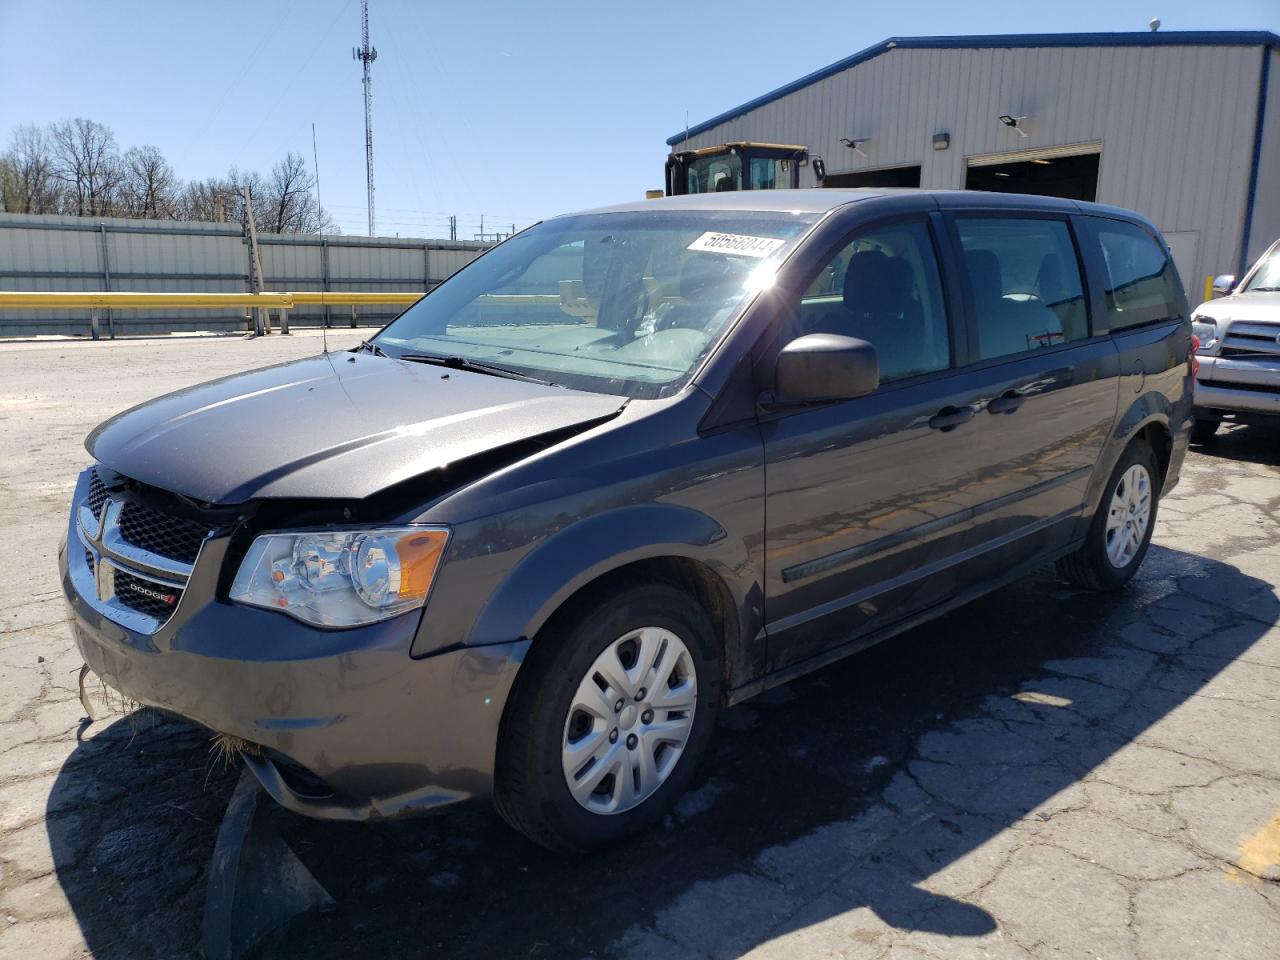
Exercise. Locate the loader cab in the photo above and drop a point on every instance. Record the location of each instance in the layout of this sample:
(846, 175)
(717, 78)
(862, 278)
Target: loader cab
(735, 166)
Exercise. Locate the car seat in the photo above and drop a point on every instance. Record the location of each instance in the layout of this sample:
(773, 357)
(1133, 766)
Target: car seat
(882, 306)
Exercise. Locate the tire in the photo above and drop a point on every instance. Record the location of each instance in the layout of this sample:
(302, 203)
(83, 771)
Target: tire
(1202, 431)
(546, 730)
(1095, 565)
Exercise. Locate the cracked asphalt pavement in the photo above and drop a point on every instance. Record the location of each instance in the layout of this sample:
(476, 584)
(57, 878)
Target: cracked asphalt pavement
(1047, 773)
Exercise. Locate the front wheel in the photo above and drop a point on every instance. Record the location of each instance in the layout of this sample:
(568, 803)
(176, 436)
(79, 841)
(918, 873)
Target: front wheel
(609, 716)
(1120, 532)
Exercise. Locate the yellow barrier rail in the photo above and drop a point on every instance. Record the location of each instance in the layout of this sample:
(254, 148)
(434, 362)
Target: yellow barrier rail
(315, 298)
(116, 300)
(261, 303)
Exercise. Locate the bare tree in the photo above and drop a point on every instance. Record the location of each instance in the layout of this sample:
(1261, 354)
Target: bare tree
(220, 199)
(213, 199)
(87, 160)
(284, 202)
(27, 181)
(75, 166)
(149, 187)
(290, 204)
(237, 180)
(9, 190)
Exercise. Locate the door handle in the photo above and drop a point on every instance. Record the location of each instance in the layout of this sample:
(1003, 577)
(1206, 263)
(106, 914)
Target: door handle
(1008, 402)
(948, 418)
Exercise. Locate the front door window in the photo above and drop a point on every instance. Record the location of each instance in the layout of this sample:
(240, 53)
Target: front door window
(884, 287)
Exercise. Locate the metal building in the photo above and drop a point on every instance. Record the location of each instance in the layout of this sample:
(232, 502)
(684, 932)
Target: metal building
(1176, 125)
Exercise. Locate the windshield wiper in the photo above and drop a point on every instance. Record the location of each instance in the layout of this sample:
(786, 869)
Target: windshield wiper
(372, 347)
(473, 366)
(1262, 289)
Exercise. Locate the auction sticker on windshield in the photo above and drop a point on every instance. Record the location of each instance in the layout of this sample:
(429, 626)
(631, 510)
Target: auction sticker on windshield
(737, 243)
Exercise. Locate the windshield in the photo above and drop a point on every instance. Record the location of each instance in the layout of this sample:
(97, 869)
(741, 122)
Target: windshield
(1267, 276)
(621, 303)
(714, 174)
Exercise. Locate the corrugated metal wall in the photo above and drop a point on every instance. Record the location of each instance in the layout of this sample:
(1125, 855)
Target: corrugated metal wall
(359, 264)
(1175, 122)
(78, 253)
(1266, 208)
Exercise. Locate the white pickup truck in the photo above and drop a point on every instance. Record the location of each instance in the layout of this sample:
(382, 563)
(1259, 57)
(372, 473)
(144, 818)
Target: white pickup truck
(1239, 353)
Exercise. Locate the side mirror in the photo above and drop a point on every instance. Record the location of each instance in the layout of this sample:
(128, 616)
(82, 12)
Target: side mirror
(1222, 284)
(825, 366)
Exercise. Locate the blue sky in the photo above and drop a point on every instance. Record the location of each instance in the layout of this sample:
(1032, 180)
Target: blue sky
(512, 110)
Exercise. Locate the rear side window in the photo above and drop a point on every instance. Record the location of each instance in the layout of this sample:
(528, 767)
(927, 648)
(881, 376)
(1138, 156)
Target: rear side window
(1024, 279)
(1141, 285)
(884, 287)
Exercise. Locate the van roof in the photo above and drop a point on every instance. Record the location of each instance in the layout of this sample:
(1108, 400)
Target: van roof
(821, 200)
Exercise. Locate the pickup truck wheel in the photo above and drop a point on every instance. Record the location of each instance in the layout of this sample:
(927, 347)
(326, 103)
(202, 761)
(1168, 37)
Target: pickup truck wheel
(609, 716)
(1120, 532)
(1202, 431)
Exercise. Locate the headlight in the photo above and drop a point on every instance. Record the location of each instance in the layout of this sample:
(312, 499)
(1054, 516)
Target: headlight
(341, 578)
(1206, 328)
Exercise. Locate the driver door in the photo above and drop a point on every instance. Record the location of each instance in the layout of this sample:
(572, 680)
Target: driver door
(869, 500)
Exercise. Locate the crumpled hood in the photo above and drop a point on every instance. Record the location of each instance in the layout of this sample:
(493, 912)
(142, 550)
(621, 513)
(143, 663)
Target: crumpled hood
(339, 425)
(1260, 307)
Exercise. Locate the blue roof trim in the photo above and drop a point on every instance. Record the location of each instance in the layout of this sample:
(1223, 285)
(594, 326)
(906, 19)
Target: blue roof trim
(1171, 38)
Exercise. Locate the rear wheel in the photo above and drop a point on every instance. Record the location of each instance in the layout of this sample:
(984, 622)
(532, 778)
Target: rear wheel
(1120, 532)
(1202, 431)
(609, 717)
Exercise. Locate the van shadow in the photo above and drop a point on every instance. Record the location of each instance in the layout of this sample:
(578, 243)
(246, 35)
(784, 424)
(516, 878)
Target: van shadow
(992, 714)
(1245, 443)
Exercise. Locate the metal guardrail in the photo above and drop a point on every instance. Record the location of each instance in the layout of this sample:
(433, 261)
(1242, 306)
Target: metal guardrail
(260, 303)
(315, 297)
(72, 300)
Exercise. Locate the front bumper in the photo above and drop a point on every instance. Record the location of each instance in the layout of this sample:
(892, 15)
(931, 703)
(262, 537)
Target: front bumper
(1231, 385)
(349, 725)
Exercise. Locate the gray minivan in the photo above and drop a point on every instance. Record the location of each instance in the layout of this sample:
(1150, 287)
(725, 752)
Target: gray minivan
(628, 467)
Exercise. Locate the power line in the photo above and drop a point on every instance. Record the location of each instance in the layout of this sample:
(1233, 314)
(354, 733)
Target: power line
(285, 90)
(424, 215)
(251, 63)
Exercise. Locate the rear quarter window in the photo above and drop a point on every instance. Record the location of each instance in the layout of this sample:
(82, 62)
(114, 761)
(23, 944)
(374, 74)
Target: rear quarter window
(1141, 285)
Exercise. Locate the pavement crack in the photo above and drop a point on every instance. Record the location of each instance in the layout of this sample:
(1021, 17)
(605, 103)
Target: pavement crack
(7, 631)
(1159, 745)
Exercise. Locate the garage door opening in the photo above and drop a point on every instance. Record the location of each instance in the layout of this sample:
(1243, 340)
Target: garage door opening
(888, 177)
(1075, 178)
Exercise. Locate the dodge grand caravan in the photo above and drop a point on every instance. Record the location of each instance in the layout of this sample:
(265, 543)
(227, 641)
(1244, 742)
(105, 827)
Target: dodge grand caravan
(626, 468)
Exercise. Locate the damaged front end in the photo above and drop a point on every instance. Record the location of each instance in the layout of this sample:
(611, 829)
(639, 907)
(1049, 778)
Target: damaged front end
(335, 723)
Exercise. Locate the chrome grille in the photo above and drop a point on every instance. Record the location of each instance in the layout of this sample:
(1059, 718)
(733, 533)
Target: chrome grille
(137, 558)
(1244, 338)
(97, 494)
(1239, 347)
(146, 596)
(160, 533)
(1235, 385)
